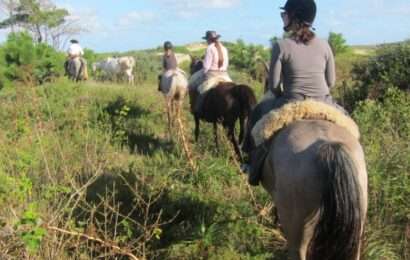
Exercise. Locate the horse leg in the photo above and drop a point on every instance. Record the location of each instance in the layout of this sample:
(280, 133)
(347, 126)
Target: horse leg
(169, 108)
(173, 113)
(216, 136)
(196, 128)
(242, 128)
(232, 138)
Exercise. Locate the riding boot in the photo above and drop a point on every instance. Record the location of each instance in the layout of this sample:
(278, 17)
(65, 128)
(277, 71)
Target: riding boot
(256, 160)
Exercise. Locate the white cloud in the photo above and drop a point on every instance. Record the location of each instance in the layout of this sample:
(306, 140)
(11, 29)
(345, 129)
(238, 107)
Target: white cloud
(135, 18)
(194, 4)
(191, 8)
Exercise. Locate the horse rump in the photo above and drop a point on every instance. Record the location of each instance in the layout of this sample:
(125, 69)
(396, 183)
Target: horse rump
(338, 231)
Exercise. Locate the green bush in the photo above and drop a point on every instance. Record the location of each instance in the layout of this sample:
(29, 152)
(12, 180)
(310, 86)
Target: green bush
(385, 129)
(248, 58)
(390, 67)
(29, 62)
(337, 43)
(90, 56)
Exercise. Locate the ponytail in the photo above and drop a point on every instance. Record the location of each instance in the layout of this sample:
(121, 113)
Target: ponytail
(303, 34)
(218, 46)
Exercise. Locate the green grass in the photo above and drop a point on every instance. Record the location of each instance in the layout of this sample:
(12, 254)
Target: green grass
(97, 159)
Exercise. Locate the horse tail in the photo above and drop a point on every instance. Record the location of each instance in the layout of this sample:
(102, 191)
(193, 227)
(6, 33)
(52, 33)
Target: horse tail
(338, 231)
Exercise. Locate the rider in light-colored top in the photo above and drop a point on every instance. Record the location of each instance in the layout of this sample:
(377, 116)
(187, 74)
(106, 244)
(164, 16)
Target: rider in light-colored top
(215, 70)
(75, 49)
(212, 62)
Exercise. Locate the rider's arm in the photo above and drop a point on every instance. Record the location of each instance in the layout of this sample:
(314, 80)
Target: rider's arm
(275, 71)
(330, 69)
(208, 59)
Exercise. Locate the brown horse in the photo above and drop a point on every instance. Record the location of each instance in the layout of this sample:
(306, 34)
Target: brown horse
(224, 104)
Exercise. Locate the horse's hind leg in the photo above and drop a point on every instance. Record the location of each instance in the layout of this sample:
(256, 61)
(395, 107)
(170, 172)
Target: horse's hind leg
(196, 128)
(232, 138)
(242, 128)
(169, 108)
(216, 136)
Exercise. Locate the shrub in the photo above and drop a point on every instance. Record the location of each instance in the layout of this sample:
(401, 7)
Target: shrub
(387, 154)
(29, 62)
(390, 67)
(249, 58)
(337, 43)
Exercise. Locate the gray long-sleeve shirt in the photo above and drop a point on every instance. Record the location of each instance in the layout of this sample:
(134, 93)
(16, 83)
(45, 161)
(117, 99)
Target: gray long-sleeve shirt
(169, 62)
(307, 69)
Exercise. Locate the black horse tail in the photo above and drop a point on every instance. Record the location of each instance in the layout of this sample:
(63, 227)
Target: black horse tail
(338, 231)
(246, 97)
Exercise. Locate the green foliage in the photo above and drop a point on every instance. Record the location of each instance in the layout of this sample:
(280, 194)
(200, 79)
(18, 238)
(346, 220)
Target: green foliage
(113, 140)
(30, 230)
(385, 129)
(337, 43)
(28, 62)
(90, 56)
(35, 16)
(390, 67)
(249, 58)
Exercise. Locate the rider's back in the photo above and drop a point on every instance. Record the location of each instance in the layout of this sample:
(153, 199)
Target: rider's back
(306, 69)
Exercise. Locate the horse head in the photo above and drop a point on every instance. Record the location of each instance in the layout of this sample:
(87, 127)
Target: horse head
(196, 65)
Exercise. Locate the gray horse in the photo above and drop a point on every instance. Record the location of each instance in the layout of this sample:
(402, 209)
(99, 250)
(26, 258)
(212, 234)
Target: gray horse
(316, 174)
(75, 68)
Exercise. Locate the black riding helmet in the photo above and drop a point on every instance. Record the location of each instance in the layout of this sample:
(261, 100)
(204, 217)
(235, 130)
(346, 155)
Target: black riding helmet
(168, 45)
(302, 10)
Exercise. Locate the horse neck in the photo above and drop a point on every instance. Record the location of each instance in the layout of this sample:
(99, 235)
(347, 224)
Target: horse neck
(197, 66)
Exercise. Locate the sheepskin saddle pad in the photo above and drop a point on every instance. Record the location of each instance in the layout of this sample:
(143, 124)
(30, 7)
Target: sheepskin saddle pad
(300, 110)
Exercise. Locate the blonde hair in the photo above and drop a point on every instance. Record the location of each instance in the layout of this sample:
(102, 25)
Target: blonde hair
(218, 46)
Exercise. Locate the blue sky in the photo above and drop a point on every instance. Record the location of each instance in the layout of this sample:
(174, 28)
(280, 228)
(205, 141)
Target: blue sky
(137, 24)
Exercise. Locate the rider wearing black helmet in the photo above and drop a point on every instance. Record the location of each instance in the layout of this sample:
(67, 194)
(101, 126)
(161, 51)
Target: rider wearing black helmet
(302, 67)
(169, 61)
(169, 68)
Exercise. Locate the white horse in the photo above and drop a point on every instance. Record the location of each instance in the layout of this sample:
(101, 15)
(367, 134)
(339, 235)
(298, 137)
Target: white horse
(174, 85)
(115, 68)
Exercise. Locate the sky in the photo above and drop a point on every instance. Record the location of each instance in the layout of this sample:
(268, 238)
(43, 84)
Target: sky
(121, 25)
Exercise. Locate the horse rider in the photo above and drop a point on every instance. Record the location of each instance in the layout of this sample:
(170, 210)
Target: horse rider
(215, 65)
(75, 51)
(302, 67)
(169, 67)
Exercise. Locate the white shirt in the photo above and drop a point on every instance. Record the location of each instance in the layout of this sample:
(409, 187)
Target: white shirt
(212, 58)
(75, 50)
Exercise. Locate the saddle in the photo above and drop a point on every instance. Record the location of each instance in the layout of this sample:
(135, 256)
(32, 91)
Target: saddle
(212, 83)
(265, 129)
(291, 112)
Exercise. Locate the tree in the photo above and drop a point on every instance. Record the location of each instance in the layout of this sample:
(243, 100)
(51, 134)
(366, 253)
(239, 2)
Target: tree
(44, 21)
(337, 43)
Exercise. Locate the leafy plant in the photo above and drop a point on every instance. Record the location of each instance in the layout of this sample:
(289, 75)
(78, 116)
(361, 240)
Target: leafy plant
(338, 43)
(30, 230)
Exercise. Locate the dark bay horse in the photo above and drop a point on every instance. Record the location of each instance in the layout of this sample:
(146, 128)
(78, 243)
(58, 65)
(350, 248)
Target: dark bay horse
(224, 104)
